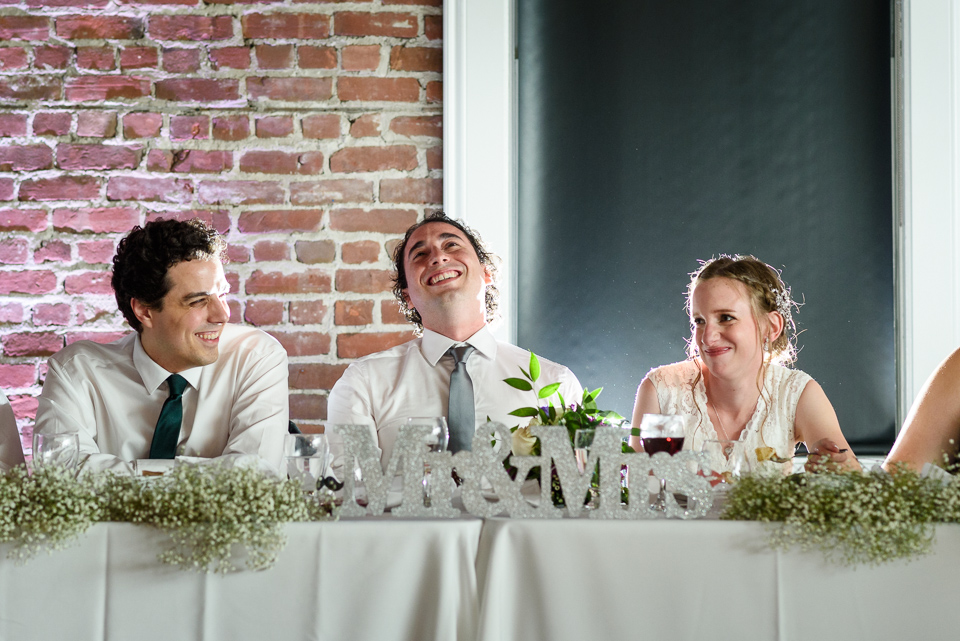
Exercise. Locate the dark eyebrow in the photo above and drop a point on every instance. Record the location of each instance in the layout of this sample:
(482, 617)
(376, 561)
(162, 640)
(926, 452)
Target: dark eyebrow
(444, 236)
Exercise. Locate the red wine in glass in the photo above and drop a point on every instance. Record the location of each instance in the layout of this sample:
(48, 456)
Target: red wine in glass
(669, 444)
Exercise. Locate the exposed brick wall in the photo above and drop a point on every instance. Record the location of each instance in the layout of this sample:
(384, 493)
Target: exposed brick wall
(309, 134)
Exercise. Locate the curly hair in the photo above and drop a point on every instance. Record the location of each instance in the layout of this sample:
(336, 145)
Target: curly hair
(486, 258)
(146, 254)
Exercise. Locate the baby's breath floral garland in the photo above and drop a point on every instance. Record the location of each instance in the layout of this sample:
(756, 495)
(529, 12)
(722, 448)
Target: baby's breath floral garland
(851, 517)
(209, 511)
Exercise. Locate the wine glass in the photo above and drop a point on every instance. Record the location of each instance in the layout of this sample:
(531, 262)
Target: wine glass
(582, 442)
(306, 459)
(661, 433)
(435, 441)
(56, 450)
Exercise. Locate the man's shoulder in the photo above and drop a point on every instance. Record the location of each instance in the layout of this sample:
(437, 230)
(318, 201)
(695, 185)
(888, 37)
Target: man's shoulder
(394, 353)
(89, 353)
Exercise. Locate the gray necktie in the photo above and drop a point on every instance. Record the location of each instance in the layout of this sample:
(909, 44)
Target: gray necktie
(461, 415)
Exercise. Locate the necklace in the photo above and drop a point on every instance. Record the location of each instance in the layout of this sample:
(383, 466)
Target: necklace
(719, 420)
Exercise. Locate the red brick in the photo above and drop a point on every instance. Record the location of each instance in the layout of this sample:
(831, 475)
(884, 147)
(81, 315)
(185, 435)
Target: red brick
(87, 312)
(281, 162)
(96, 220)
(55, 251)
(219, 219)
(240, 192)
(139, 58)
(14, 251)
(28, 282)
(416, 59)
(433, 27)
(11, 313)
(271, 250)
(360, 57)
(97, 157)
(101, 88)
(47, 57)
(274, 56)
(435, 157)
(190, 28)
(307, 406)
(13, 125)
(425, 3)
(430, 126)
(23, 220)
(366, 126)
(322, 192)
(32, 344)
(230, 58)
(31, 88)
(307, 312)
(160, 2)
(97, 124)
(390, 313)
(234, 307)
(411, 190)
(231, 128)
(435, 91)
(18, 376)
(357, 345)
(264, 312)
(97, 58)
(190, 161)
(24, 28)
(274, 126)
(6, 189)
(312, 57)
(13, 58)
(238, 254)
(52, 124)
(87, 283)
(314, 375)
(312, 252)
(142, 125)
(321, 126)
(353, 312)
(189, 127)
(198, 90)
(94, 4)
(293, 220)
(181, 60)
(96, 252)
(60, 188)
(25, 408)
(96, 337)
(387, 221)
(99, 27)
(303, 343)
(308, 282)
(394, 25)
(378, 89)
(364, 281)
(167, 190)
(375, 158)
(25, 157)
(286, 26)
(46, 314)
(361, 251)
(291, 89)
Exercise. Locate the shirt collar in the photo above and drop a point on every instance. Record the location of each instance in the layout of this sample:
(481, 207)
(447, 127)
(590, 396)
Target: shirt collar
(153, 375)
(433, 345)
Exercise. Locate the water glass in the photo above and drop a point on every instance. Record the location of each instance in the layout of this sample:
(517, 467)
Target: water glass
(306, 457)
(727, 460)
(56, 450)
(435, 441)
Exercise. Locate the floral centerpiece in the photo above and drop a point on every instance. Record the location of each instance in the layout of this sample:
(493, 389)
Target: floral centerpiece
(575, 416)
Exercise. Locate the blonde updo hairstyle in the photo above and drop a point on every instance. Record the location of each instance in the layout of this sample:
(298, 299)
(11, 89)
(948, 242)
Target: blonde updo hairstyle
(767, 293)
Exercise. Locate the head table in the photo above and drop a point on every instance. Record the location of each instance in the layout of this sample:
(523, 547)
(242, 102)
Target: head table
(491, 580)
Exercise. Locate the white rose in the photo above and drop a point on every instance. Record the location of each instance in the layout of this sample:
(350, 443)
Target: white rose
(522, 442)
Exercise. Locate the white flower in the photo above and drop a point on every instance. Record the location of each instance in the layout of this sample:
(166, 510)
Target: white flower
(522, 442)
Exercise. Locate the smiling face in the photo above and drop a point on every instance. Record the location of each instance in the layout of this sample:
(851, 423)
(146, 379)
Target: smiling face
(185, 331)
(725, 330)
(445, 279)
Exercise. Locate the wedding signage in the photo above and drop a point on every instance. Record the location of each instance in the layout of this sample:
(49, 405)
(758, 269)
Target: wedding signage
(488, 489)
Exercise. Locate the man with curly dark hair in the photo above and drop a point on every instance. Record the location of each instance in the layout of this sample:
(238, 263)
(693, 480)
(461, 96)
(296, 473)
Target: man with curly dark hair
(186, 383)
(446, 285)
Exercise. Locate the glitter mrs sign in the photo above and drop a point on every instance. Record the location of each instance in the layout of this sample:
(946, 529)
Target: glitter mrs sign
(486, 462)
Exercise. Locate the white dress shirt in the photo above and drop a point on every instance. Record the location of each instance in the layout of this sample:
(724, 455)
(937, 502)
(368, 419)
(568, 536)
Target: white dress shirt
(112, 396)
(382, 390)
(11, 452)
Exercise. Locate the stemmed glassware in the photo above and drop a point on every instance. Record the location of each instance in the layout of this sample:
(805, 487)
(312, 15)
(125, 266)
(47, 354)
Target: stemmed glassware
(435, 441)
(306, 457)
(582, 442)
(56, 450)
(727, 459)
(661, 433)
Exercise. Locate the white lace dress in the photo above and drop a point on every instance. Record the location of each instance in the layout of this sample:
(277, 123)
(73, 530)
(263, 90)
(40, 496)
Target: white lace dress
(771, 424)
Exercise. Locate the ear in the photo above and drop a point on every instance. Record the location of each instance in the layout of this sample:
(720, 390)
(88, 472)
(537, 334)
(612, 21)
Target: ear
(406, 298)
(775, 325)
(143, 313)
(487, 277)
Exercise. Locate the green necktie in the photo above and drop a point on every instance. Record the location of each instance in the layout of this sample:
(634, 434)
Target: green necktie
(167, 434)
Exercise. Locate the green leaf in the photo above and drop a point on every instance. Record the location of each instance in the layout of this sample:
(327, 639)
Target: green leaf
(549, 390)
(525, 411)
(518, 383)
(534, 367)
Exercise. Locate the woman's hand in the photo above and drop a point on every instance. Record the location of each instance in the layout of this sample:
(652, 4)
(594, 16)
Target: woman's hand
(826, 456)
